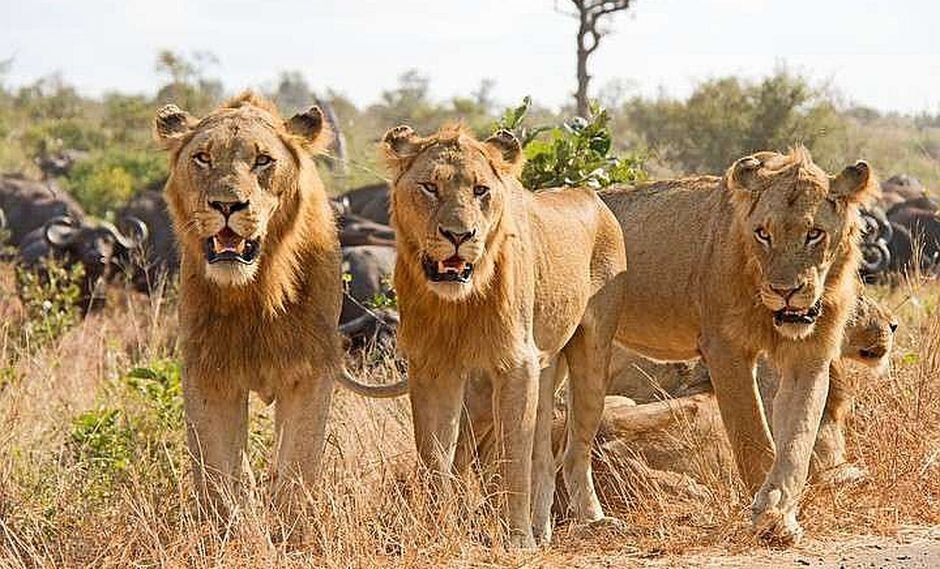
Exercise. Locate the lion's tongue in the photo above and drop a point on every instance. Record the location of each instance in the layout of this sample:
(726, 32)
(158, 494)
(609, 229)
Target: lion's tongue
(228, 240)
(452, 264)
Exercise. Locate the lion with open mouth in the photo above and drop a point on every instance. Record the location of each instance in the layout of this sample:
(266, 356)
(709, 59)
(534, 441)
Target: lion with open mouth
(762, 261)
(260, 284)
(497, 284)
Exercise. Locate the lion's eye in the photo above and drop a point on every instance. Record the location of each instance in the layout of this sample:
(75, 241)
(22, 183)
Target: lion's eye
(761, 234)
(202, 159)
(263, 160)
(480, 190)
(428, 188)
(814, 236)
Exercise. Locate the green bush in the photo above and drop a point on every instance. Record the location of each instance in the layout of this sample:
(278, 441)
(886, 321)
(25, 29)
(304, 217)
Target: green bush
(50, 296)
(102, 440)
(56, 135)
(577, 153)
(727, 118)
(159, 388)
(105, 181)
(139, 428)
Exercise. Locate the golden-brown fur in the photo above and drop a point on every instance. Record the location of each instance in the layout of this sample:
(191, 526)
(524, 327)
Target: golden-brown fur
(544, 284)
(735, 267)
(268, 326)
(869, 337)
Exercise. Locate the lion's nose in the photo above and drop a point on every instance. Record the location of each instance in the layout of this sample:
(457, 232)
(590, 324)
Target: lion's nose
(457, 238)
(228, 208)
(786, 293)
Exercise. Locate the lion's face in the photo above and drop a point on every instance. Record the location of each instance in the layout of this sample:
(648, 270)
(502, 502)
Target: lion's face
(230, 173)
(869, 335)
(797, 221)
(448, 200)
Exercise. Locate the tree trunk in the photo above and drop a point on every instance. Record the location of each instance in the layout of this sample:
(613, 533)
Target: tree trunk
(581, 96)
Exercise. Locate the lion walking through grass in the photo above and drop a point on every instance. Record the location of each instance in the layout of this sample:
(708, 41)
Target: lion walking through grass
(761, 261)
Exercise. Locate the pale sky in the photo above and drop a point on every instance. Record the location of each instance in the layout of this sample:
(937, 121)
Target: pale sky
(881, 54)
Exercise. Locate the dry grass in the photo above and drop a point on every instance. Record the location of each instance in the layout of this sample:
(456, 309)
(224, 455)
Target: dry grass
(78, 490)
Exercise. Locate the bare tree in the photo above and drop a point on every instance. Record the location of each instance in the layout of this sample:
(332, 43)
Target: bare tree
(590, 14)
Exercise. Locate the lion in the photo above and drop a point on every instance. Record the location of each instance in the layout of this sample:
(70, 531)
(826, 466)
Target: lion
(260, 284)
(495, 284)
(869, 337)
(760, 261)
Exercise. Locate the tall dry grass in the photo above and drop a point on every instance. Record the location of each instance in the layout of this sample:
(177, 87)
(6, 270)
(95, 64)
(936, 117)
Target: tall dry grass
(94, 471)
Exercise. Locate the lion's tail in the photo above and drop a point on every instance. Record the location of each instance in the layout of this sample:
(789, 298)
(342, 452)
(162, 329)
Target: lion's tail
(375, 391)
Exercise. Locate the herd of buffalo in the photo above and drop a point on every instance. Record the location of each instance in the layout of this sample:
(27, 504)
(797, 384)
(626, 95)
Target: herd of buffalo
(902, 235)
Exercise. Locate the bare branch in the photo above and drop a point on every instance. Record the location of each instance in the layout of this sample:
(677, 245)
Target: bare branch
(590, 14)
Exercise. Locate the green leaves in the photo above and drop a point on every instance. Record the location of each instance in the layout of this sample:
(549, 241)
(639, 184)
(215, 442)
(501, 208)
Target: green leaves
(51, 298)
(579, 152)
(104, 181)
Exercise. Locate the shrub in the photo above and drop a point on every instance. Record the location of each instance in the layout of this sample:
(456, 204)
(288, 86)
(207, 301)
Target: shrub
(576, 153)
(727, 118)
(105, 181)
(55, 135)
(159, 388)
(138, 427)
(102, 440)
(50, 297)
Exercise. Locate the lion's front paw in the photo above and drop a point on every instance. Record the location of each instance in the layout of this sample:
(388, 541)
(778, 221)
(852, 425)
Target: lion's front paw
(771, 523)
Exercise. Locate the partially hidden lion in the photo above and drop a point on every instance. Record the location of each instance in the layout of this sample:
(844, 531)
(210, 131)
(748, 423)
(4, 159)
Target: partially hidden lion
(761, 261)
(260, 284)
(496, 282)
(869, 337)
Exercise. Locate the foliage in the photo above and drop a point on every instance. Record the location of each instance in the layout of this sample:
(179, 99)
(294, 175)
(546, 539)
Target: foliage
(106, 441)
(577, 153)
(55, 135)
(189, 87)
(160, 387)
(106, 180)
(102, 440)
(50, 297)
(727, 118)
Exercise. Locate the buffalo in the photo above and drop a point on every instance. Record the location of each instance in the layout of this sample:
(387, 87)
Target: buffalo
(103, 250)
(29, 204)
(370, 202)
(363, 319)
(158, 256)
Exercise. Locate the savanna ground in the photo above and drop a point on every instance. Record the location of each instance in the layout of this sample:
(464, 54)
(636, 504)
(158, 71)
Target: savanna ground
(94, 471)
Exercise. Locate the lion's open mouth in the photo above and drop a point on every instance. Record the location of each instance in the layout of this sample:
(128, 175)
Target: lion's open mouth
(226, 245)
(453, 270)
(790, 315)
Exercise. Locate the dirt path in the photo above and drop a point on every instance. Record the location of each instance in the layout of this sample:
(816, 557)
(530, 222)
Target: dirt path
(916, 549)
(919, 553)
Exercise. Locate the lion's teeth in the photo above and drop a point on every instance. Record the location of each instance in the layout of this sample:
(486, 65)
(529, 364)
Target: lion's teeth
(215, 244)
(440, 267)
(240, 247)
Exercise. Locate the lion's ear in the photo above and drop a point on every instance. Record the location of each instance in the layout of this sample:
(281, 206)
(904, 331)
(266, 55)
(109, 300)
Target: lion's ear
(742, 175)
(310, 129)
(508, 149)
(399, 144)
(855, 184)
(171, 124)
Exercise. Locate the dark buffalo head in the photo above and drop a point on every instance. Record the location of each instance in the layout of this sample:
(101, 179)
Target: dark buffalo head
(102, 249)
